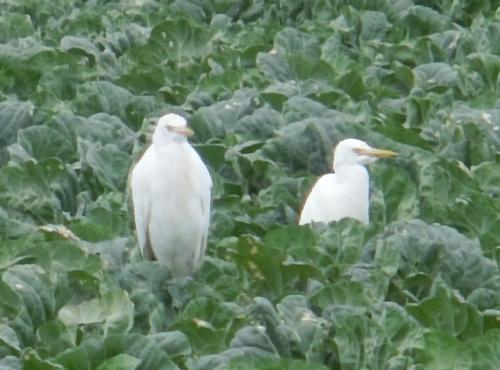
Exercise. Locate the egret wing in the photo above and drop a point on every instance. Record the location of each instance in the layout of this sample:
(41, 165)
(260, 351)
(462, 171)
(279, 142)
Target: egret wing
(205, 203)
(320, 202)
(141, 198)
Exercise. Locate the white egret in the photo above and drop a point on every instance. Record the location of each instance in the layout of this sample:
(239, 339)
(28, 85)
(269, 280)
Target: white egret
(171, 197)
(344, 193)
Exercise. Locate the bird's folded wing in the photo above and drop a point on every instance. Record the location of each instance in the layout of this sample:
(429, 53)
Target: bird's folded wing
(141, 197)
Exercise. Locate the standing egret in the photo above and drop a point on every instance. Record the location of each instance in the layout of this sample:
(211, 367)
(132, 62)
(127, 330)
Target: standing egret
(171, 197)
(345, 193)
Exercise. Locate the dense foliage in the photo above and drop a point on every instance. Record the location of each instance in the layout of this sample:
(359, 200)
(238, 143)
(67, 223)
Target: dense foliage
(269, 87)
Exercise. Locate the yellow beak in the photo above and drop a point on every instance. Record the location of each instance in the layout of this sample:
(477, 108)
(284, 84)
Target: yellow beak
(378, 153)
(182, 130)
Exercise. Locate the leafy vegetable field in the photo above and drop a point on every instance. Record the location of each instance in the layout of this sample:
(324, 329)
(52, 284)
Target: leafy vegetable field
(269, 88)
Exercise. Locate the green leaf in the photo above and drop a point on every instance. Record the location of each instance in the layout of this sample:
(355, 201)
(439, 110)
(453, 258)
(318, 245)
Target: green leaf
(11, 363)
(485, 350)
(449, 314)
(374, 25)
(440, 251)
(9, 338)
(205, 321)
(42, 142)
(54, 337)
(108, 163)
(10, 302)
(442, 351)
(36, 291)
(32, 360)
(250, 363)
(94, 352)
(102, 96)
(113, 310)
(315, 136)
(174, 343)
(43, 190)
(422, 20)
(14, 115)
(293, 42)
(79, 43)
(435, 76)
(118, 362)
(309, 333)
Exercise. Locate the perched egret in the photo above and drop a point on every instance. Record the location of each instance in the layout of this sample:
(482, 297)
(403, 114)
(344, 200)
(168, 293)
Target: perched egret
(171, 197)
(344, 193)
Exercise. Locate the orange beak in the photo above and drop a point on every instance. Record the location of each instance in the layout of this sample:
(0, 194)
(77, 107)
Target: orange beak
(377, 153)
(182, 130)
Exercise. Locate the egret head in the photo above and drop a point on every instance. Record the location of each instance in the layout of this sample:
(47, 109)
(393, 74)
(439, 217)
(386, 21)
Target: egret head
(171, 127)
(357, 152)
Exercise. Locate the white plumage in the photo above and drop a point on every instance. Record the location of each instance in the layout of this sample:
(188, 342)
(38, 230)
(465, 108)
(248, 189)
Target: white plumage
(344, 193)
(171, 197)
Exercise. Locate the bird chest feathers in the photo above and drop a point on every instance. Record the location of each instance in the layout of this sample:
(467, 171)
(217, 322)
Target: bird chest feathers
(180, 168)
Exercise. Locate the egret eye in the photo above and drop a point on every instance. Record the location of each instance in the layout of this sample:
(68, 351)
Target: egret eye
(357, 151)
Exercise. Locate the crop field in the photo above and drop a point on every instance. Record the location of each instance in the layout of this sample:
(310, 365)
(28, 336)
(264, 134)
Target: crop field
(269, 87)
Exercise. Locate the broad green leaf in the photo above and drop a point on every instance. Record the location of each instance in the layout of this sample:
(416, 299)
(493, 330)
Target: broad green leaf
(108, 163)
(42, 142)
(440, 251)
(21, 49)
(342, 293)
(260, 125)
(487, 65)
(36, 291)
(435, 76)
(11, 363)
(315, 136)
(485, 351)
(181, 40)
(104, 220)
(309, 333)
(374, 25)
(488, 175)
(361, 341)
(442, 351)
(422, 20)
(395, 193)
(114, 310)
(43, 190)
(14, 115)
(174, 343)
(102, 96)
(14, 26)
(205, 322)
(212, 121)
(94, 352)
(446, 312)
(10, 302)
(118, 362)
(9, 338)
(79, 43)
(291, 41)
(54, 337)
(33, 360)
(256, 363)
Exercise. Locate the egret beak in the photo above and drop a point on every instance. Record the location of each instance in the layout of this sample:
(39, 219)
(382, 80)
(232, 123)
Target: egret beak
(182, 130)
(377, 153)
